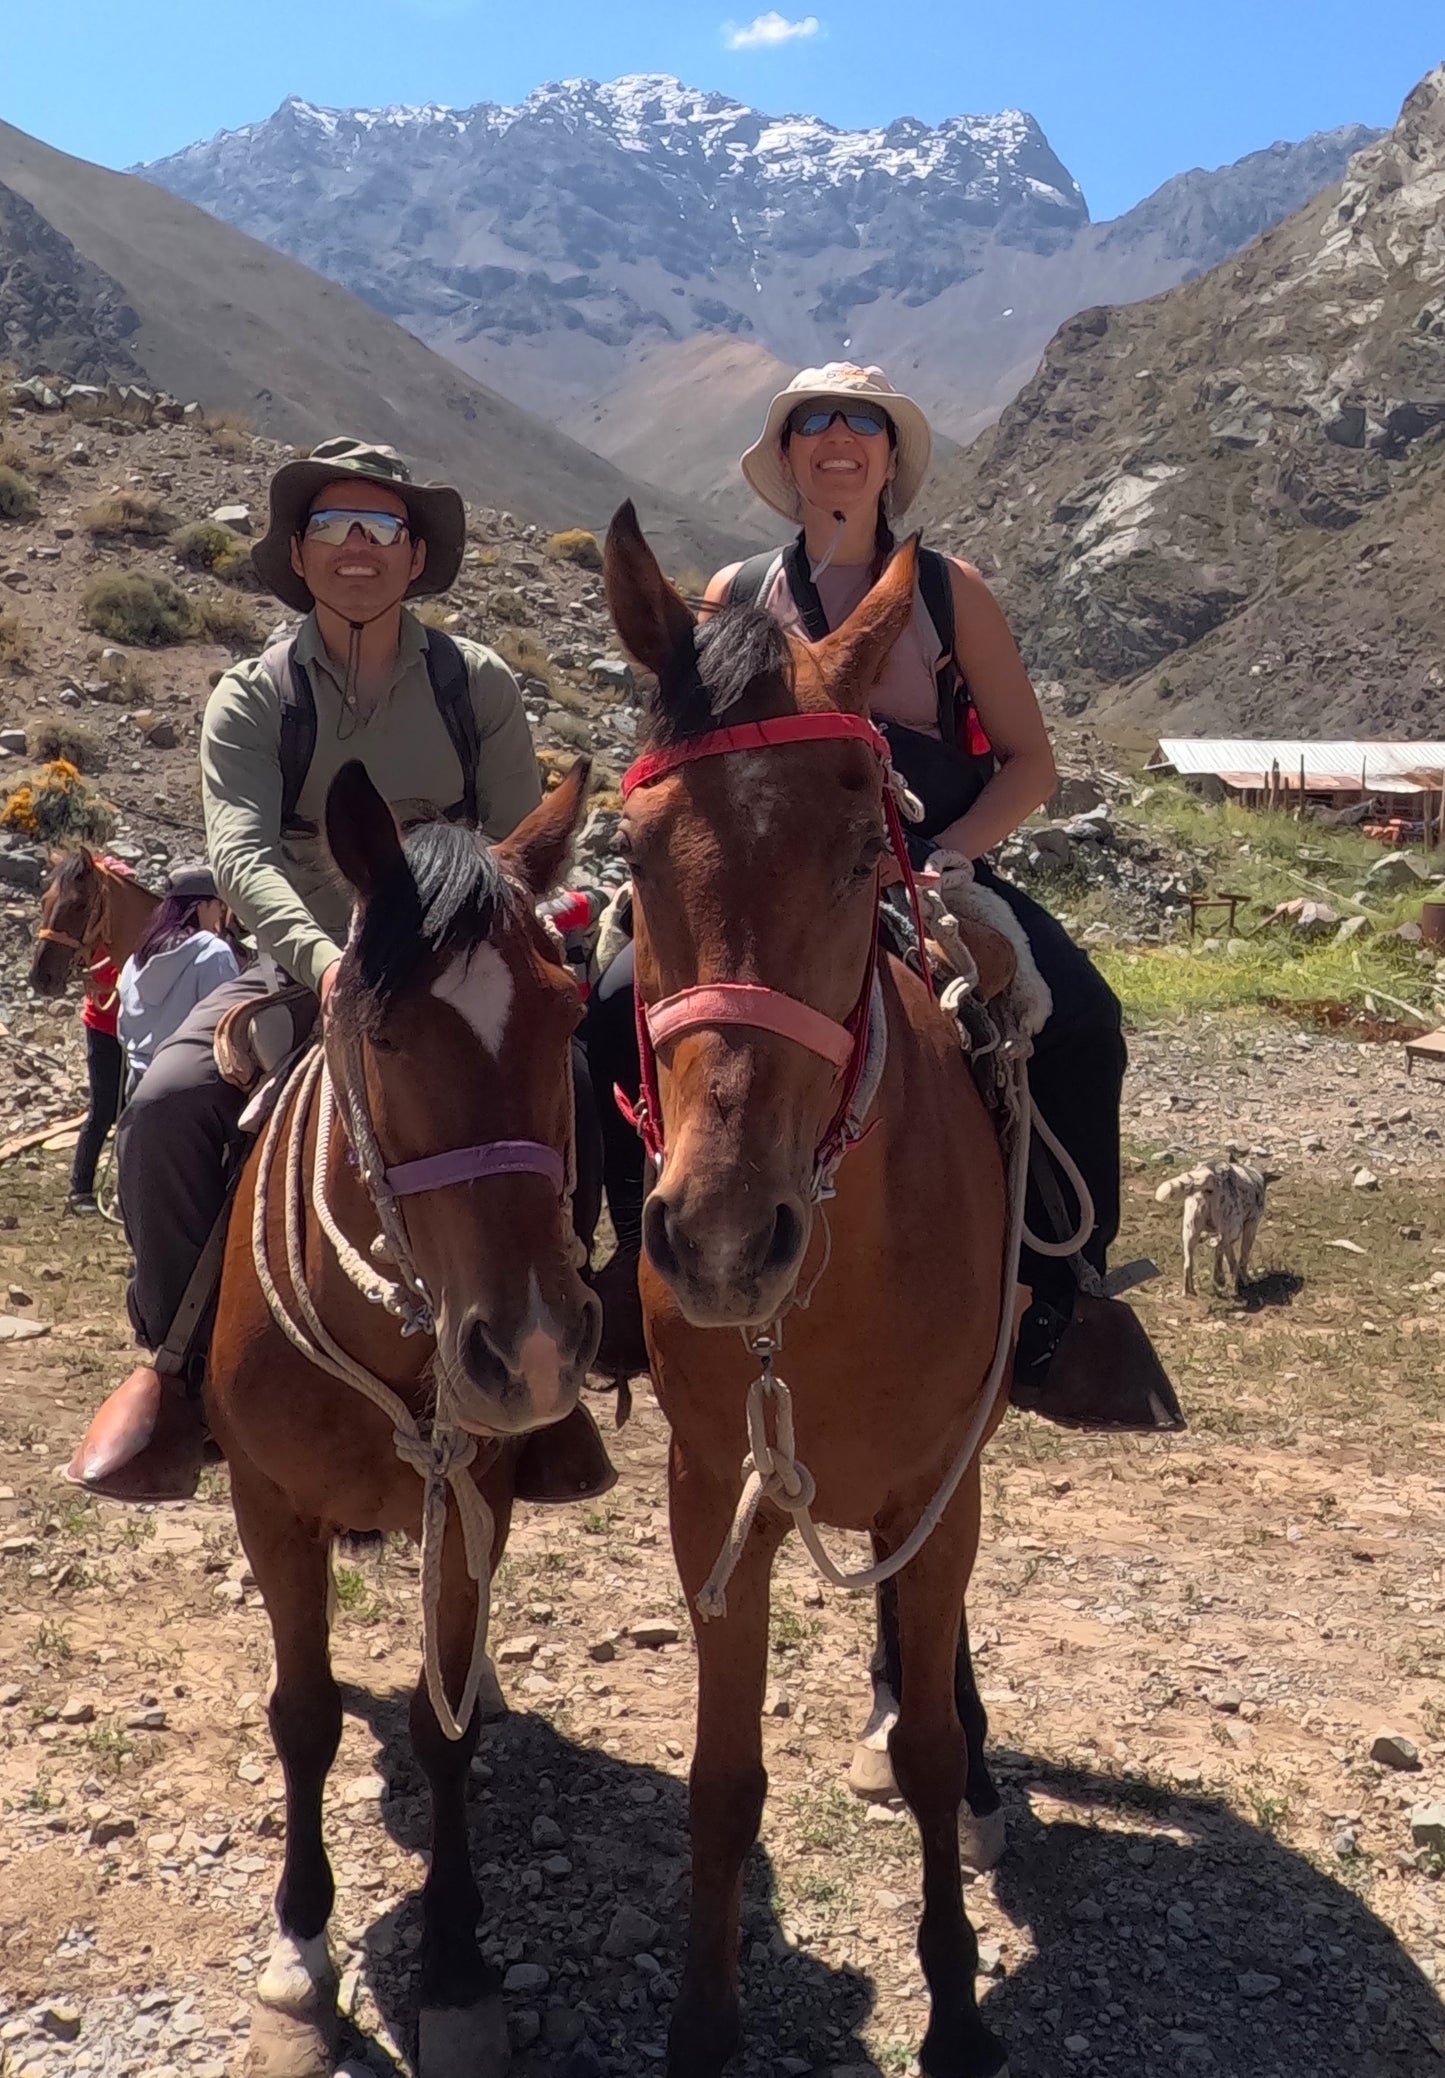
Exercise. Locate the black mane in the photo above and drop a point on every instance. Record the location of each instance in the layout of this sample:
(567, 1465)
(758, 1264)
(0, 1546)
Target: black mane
(443, 903)
(71, 871)
(738, 654)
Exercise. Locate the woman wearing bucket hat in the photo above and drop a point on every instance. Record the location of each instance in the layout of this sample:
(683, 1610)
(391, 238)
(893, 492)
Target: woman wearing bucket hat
(440, 726)
(842, 454)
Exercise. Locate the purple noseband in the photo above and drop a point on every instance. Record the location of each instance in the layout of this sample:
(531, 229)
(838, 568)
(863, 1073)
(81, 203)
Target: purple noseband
(434, 1172)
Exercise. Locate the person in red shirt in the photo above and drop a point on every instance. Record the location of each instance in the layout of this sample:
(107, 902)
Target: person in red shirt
(104, 1068)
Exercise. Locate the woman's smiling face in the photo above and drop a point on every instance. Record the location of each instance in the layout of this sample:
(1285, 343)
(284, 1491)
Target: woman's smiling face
(839, 470)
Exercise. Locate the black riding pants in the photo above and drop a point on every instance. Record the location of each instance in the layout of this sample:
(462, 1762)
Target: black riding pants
(104, 1067)
(179, 1136)
(1076, 1076)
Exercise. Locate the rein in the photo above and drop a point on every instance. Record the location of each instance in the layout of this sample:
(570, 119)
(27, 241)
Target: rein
(441, 1452)
(843, 1046)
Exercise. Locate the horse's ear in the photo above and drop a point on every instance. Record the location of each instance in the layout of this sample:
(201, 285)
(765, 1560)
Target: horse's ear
(852, 657)
(360, 829)
(652, 621)
(538, 850)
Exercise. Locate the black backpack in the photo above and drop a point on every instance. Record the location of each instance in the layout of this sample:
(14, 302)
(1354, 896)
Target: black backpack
(446, 668)
(754, 579)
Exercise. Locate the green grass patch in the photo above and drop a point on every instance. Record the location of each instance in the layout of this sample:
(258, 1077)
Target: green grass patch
(1266, 976)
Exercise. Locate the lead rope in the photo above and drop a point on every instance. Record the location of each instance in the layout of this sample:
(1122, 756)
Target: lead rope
(442, 1455)
(772, 1471)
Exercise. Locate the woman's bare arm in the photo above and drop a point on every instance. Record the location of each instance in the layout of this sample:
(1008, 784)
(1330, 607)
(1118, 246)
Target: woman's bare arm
(719, 585)
(1008, 708)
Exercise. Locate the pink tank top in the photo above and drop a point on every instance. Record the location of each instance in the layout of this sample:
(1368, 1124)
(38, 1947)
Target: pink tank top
(907, 691)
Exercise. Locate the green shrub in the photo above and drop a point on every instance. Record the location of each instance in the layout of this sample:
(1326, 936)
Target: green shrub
(15, 641)
(507, 606)
(18, 499)
(222, 617)
(576, 545)
(70, 741)
(56, 806)
(524, 653)
(138, 513)
(130, 607)
(204, 544)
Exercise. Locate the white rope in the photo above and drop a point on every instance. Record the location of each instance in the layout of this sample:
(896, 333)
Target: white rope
(1076, 1184)
(771, 1471)
(441, 1456)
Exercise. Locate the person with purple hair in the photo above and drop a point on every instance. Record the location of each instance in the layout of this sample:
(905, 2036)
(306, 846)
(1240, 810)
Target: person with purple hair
(181, 958)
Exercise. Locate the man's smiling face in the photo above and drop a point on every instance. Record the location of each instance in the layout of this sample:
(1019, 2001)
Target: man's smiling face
(355, 577)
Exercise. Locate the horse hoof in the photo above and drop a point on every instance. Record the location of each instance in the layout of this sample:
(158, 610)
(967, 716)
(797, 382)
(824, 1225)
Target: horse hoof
(291, 2045)
(870, 1774)
(463, 2041)
(981, 1841)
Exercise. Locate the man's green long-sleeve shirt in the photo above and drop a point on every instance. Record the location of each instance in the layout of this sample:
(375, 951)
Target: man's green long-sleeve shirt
(285, 889)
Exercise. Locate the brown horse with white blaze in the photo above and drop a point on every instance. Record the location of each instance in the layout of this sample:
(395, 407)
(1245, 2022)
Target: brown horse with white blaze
(755, 826)
(444, 1115)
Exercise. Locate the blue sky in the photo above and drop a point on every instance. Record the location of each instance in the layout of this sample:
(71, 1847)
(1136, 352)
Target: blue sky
(1128, 91)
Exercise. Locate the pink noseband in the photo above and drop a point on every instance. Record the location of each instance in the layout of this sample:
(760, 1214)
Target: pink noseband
(744, 1003)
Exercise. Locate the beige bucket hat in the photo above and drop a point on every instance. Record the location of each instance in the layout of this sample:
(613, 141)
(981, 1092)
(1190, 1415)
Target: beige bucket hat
(435, 513)
(765, 465)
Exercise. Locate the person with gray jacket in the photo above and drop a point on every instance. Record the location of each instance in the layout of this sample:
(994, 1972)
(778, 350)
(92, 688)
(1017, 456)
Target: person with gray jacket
(177, 964)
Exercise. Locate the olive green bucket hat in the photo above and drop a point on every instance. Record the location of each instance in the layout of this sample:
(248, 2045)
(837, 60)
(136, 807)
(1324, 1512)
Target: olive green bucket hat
(435, 514)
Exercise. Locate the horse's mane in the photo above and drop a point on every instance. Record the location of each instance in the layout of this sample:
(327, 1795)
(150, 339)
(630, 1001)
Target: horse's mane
(71, 871)
(443, 903)
(737, 655)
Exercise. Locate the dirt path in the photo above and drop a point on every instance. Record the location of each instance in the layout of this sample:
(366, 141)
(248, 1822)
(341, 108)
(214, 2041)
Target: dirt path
(1186, 1649)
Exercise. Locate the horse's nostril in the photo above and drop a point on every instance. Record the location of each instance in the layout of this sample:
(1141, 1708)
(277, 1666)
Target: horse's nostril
(657, 1236)
(591, 1331)
(480, 1357)
(787, 1239)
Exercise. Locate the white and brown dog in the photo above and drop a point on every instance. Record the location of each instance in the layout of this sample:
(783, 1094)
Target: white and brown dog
(1225, 1199)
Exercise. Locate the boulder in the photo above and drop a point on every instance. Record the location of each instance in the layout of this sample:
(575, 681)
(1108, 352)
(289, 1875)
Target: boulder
(34, 395)
(615, 672)
(1397, 869)
(236, 517)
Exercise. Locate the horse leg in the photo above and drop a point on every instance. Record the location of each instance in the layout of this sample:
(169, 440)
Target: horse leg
(728, 1783)
(930, 1759)
(461, 2023)
(981, 1836)
(293, 2029)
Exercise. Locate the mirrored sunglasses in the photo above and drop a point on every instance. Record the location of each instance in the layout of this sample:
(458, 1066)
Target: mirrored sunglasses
(812, 419)
(333, 525)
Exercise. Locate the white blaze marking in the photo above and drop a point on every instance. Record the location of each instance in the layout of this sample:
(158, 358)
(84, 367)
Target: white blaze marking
(479, 987)
(539, 1357)
(295, 1973)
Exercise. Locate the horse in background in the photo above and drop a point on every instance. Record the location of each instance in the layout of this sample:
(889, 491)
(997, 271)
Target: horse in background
(87, 911)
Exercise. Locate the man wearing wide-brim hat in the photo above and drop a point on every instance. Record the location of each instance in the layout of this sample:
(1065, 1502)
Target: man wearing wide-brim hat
(440, 726)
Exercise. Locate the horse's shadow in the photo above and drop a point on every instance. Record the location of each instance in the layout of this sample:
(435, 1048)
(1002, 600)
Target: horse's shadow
(1158, 1924)
(1173, 1937)
(621, 1831)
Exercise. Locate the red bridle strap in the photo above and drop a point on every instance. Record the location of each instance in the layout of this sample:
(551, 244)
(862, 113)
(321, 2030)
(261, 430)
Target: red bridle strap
(744, 1003)
(844, 1047)
(769, 735)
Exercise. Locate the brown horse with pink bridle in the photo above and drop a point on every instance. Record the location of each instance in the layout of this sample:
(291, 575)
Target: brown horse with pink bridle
(829, 1186)
(400, 1306)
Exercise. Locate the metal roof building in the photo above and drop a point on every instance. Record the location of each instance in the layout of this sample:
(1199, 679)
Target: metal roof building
(1243, 760)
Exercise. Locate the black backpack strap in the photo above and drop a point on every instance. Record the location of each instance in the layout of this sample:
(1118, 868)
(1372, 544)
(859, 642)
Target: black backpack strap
(753, 580)
(804, 592)
(451, 685)
(936, 589)
(296, 745)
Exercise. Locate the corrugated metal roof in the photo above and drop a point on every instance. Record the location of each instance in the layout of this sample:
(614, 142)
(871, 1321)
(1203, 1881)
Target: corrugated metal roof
(1343, 760)
(1318, 782)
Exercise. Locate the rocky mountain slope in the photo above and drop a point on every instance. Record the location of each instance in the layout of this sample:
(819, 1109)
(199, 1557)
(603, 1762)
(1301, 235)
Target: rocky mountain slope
(570, 249)
(1225, 507)
(207, 312)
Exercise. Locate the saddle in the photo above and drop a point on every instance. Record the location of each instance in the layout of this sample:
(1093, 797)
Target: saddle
(255, 1038)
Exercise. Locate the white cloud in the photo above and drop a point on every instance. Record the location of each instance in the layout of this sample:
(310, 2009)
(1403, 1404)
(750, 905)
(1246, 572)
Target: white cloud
(765, 30)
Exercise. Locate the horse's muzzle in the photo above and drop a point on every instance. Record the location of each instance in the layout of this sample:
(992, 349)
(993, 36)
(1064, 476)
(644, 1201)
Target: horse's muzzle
(723, 1269)
(532, 1376)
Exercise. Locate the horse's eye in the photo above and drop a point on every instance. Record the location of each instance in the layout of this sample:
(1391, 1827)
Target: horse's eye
(869, 856)
(381, 1044)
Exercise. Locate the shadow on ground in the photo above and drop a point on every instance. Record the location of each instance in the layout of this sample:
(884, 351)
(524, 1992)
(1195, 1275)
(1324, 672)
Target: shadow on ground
(1270, 1288)
(1171, 1935)
(1174, 1937)
(623, 1832)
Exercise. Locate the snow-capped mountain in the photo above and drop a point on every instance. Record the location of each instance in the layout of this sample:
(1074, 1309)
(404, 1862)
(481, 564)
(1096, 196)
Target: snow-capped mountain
(555, 247)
